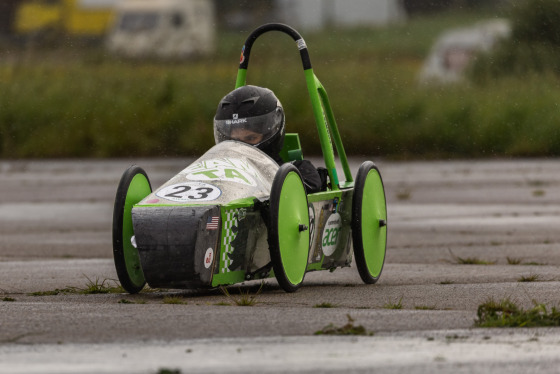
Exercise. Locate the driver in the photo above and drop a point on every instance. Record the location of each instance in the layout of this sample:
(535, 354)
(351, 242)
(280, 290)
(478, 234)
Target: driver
(254, 115)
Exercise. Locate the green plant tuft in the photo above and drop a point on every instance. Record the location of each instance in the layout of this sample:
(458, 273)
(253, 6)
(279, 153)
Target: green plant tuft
(347, 329)
(392, 305)
(174, 300)
(513, 261)
(98, 286)
(244, 298)
(505, 313)
(470, 260)
(425, 307)
(324, 305)
(529, 278)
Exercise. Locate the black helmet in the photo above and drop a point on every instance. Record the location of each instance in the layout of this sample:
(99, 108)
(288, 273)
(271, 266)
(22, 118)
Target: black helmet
(252, 115)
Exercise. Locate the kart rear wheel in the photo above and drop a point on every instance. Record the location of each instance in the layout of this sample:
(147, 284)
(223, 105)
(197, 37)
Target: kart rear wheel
(369, 222)
(289, 228)
(133, 187)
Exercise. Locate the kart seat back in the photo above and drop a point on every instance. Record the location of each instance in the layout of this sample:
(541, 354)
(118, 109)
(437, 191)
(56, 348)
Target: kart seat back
(292, 148)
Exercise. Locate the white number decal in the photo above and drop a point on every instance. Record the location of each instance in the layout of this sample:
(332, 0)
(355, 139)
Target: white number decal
(190, 192)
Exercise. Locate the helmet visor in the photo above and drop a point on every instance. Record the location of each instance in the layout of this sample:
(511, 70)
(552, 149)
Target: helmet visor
(250, 130)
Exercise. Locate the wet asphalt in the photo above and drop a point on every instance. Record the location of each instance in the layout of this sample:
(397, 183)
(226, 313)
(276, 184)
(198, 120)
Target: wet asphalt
(55, 234)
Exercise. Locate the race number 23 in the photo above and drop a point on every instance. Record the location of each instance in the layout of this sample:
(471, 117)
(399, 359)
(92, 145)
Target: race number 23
(190, 192)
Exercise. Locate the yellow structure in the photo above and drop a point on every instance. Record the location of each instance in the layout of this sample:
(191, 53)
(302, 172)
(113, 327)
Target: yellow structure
(73, 17)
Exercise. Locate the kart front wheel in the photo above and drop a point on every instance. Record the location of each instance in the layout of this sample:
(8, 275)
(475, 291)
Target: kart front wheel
(133, 187)
(289, 228)
(369, 222)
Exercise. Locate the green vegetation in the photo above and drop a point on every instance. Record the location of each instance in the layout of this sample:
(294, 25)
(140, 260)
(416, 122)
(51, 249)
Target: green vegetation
(169, 371)
(529, 278)
(470, 260)
(533, 48)
(324, 305)
(347, 329)
(473, 261)
(505, 313)
(174, 300)
(52, 292)
(533, 263)
(245, 298)
(8, 299)
(513, 261)
(96, 286)
(83, 103)
(425, 307)
(394, 305)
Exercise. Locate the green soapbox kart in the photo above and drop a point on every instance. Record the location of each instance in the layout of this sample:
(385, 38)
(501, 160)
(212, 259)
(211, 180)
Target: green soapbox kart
(235, 215)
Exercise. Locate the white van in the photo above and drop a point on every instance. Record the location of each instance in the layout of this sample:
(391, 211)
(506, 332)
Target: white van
(163, 28)
(456, 49)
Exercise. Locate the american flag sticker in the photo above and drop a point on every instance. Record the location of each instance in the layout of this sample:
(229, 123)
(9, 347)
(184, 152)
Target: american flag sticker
(212, 223)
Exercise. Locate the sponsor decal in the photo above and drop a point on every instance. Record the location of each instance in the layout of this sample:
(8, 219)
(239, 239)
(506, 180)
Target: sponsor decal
(242, 213)
(329, 239)
(242, 58)
(235, 121)
(191, 192)
(208, 258)
(301, 44)
(335, 205)
(311, 225)
(223, 169)
(212, 223)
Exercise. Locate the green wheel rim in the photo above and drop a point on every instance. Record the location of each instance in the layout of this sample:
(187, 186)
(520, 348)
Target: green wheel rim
(369, 222)
(288, 234)
(139, 188)
(133, 187)
(294, 244)
(374, 210)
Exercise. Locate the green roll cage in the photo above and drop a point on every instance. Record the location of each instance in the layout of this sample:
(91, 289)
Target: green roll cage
(324, 116)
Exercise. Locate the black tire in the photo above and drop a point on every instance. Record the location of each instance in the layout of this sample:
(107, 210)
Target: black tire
(369, 222)
(133, 187)
(288, 234)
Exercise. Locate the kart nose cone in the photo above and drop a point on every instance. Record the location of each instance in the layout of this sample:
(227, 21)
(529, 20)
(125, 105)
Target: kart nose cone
(177, 244)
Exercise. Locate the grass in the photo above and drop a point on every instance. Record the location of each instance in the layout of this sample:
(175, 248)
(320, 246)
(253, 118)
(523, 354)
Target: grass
(394, 305)
(348, 329)
(447, 281)
(169, 371)
(470, 260)
(505, 313)
(529, 278)
(425, 307)
(403, 195)
(8, 299)
(245, 298)
(539, 193)
(98, 286)
(324, 305)
(513, 261)
(92, 287)
(84, 106)
(174, 300)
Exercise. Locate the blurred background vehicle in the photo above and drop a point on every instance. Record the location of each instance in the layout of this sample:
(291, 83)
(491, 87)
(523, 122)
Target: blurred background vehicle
(164, 28)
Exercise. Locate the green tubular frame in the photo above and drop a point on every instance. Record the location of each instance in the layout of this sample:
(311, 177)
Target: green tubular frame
(324, 117)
